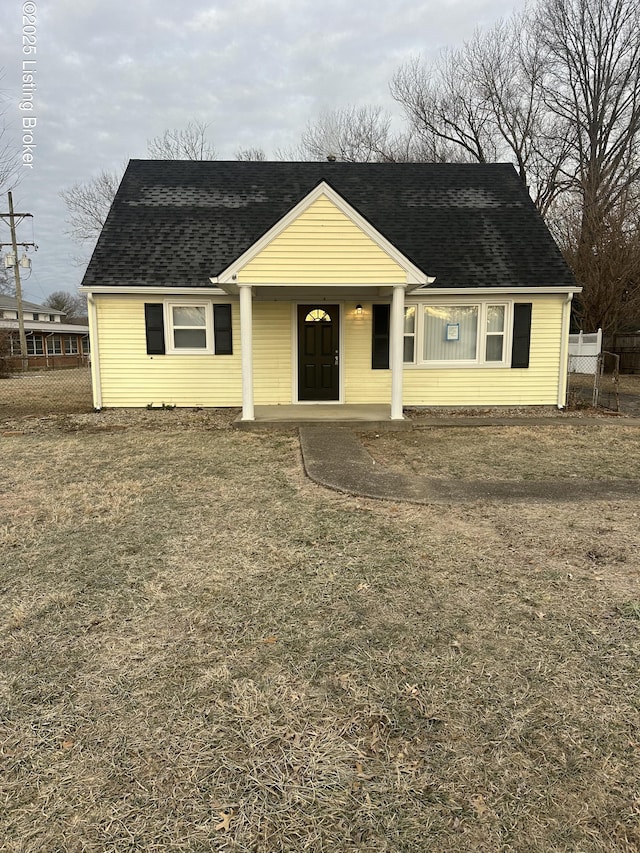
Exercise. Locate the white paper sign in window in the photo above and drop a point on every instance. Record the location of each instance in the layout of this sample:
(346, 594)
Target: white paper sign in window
(453, 332)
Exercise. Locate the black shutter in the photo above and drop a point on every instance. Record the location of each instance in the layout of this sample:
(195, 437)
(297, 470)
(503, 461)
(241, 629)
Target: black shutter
(222, 330)
(521, 334)
(380, 341)
(154, 322)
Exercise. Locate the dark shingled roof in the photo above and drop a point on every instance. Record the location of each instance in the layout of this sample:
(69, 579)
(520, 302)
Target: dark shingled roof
(176, 223)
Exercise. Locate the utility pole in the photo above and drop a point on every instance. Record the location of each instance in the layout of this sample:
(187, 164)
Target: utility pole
(11, 216)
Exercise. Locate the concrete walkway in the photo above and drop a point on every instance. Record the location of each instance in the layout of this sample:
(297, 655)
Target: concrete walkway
(334, 457)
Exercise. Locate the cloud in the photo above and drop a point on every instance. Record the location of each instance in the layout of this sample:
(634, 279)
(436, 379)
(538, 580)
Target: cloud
(111, 76)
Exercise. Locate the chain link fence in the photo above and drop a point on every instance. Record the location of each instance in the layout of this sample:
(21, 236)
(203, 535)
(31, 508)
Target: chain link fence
(45, 392)
(594, 380)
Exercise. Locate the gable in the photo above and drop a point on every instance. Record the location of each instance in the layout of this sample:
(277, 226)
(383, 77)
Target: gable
(322, 245)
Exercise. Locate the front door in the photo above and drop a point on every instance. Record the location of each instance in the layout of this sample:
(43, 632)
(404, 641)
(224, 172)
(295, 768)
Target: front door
(318, 352)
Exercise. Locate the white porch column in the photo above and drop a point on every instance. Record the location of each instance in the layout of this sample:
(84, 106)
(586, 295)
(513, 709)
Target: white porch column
(396, 350)
(246, 350)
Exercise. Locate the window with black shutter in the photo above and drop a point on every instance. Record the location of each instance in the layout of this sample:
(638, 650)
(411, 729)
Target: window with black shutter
(222, 335)
(521, 334)
(380, 337)
(154, 322)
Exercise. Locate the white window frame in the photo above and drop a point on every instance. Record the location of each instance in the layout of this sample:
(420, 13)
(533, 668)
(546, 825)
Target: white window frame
(34, 340)
(51, 344)
(481, 341)
(71, 345)
(412, 335)
(171, 349)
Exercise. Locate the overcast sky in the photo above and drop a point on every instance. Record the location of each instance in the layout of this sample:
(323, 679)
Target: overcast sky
(111, 75)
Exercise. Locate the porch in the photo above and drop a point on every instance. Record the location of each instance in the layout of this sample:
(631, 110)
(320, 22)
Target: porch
(369, 416)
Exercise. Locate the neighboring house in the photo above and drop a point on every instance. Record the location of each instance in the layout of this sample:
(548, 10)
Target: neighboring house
(246, 283)
(51, 343)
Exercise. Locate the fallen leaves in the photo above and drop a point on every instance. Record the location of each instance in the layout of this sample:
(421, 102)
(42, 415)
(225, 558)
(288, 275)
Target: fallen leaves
(226, 816)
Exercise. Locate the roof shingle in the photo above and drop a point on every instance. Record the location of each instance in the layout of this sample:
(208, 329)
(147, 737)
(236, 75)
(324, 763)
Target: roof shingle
(177, 223)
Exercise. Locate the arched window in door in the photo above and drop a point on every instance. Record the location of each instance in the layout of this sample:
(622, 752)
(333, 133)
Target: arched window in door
(318, 315)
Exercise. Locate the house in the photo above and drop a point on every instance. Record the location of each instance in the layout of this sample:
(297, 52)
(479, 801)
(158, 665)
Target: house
(257, 283)
(51, 343)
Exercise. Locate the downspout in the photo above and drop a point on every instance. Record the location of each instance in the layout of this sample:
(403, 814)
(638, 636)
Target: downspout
(96, 386)
(564, 352)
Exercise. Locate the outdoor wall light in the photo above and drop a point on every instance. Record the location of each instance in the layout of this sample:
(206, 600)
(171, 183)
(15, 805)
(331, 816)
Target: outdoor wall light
(358, 310)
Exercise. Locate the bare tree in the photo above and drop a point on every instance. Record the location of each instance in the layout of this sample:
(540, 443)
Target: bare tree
(9, 159)
(88, 204)
(557, 91)
(352, 134)
(445, 109)
(593, 87)
(189, 143)
(256, 154)
(611, 300)
(7, 288)
(73, 305)
(508, 66)
(5, 352)
(484, 103)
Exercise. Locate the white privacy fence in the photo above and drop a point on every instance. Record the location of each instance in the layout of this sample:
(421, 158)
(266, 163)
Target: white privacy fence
(584, 351)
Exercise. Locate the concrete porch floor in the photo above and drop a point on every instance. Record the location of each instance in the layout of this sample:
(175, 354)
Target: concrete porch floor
(370, 416)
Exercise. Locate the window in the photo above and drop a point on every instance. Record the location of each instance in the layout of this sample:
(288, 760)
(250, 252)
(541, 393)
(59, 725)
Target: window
(52, 318)
(494, 343)
(71, 345)
(450, 332)
(86, 346)
(54, 345)
(36, 316)
(456, 334)
(34, 345)
(409, 334)
(190, 328)
(318, 315)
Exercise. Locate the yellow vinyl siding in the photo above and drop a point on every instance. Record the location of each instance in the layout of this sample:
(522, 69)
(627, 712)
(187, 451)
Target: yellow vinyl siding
(272, 353)
(362, 384)
(130, 377)
(322, 246)
(536, 385)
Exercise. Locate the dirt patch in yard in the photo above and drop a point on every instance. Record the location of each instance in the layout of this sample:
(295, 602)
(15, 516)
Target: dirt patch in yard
(202, 650)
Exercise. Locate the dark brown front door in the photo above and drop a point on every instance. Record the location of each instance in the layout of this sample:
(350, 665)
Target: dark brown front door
(318, 354)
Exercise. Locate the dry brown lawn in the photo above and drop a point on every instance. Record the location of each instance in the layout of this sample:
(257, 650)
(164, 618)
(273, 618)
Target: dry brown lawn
(203, 651)
(567, 451)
